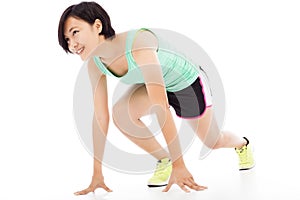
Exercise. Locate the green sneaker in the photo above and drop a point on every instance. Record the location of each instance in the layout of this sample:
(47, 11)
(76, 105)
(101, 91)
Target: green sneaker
(245, 156)
(162, 173)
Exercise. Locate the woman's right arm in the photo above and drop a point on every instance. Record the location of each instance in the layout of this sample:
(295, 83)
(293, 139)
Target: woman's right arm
(100, 126)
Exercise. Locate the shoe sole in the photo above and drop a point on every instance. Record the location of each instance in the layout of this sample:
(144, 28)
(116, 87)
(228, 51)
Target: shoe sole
(244, 169)
(151, 186)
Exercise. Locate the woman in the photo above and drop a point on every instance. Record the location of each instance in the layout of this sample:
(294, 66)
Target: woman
(159, 79)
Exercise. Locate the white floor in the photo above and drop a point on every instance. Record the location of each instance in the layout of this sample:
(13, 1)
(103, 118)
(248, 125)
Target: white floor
(53, 164)
(274, 177)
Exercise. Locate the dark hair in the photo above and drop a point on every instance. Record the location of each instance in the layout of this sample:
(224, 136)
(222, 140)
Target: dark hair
(89, 12)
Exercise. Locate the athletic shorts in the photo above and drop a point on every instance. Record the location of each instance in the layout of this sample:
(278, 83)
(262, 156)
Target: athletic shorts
(189, 102)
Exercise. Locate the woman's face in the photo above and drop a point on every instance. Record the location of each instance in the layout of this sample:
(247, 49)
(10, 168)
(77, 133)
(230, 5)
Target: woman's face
(82, 37)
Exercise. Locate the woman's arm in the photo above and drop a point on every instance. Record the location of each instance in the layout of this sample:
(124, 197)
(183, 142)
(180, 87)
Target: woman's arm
(145, 56)
(144, 53)
(100, 126)
(101, 113)
(151, 70)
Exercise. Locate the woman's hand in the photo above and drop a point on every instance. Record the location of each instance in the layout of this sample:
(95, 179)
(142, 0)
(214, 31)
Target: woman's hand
(97, 182)
(182, 177)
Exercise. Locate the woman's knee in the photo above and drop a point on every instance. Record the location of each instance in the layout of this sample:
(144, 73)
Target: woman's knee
(118, 113)
(213, 142)
(218, 142)
(122, 114)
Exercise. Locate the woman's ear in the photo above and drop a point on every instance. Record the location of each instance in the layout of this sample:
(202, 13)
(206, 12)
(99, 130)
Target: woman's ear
(98, 25)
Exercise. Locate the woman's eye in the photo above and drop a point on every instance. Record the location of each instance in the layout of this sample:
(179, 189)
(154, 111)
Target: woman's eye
(74, 32)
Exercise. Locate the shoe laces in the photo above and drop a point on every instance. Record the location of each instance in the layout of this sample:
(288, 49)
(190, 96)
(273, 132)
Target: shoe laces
(160, 166)
(243, 154)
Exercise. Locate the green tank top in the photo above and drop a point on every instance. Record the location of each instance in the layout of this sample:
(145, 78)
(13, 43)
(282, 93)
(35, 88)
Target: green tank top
(178, 72)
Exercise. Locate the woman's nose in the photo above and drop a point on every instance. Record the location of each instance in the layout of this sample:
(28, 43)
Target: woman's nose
(73, 45)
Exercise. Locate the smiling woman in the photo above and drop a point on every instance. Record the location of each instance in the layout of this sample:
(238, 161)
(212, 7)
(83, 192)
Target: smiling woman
(81, 37)
(160, 78)
(77, 18)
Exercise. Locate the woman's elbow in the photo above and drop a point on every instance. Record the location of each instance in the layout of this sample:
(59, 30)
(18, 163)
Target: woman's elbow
(102, 117)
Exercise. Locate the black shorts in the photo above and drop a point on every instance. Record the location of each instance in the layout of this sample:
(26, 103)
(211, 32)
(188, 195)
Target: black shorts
(188, 102)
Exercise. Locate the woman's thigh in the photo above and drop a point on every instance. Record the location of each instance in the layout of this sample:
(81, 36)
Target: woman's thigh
(134, 102)
(206, 127)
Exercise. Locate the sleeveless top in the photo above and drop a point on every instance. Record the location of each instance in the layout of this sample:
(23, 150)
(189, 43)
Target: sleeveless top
(178, 72)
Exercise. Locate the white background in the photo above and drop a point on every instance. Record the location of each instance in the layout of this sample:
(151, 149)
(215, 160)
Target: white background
(255, 46)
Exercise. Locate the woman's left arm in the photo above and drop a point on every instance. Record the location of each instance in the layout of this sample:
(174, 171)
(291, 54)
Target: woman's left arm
(145, 55)
(151, 70)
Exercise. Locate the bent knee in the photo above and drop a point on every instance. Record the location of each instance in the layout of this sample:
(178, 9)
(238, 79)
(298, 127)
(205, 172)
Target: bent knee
(219, 142)
(122, 114)
(118, 112)
(215, 143)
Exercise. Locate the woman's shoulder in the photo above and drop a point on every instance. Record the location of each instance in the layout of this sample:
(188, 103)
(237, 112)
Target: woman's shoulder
(136, 39)
(142, 38)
